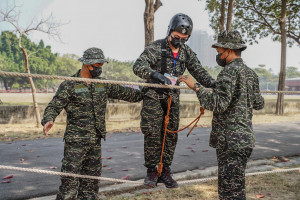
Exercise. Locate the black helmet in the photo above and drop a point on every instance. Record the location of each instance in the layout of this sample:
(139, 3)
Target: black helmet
(181, 23)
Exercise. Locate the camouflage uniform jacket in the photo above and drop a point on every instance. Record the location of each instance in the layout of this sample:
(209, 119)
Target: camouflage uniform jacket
(151, 58)
(232, 102)
(85, 105)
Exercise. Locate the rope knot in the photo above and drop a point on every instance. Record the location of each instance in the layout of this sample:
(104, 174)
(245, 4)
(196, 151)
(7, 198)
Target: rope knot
(201, 110)
(167, 118)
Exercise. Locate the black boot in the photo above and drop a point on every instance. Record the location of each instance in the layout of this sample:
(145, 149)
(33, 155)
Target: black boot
(167, 179)
(151, 178)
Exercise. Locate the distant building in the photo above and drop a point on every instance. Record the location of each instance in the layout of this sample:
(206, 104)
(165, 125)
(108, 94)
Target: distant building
(292, 84)
(200, 42)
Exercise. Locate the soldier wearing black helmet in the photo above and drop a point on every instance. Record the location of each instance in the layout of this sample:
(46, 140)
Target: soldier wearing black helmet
(162, 62)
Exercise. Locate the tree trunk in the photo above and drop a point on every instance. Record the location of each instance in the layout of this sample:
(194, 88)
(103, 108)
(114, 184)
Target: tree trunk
(33, 90)
(150, 9)
(229, 14)
(282, 74)
(5, 83)
(222, 18)
(47, 86)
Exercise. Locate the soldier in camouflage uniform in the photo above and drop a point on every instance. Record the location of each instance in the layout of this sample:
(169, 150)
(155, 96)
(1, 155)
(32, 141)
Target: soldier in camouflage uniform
(168, 57)
(85, 104)
(232, 102)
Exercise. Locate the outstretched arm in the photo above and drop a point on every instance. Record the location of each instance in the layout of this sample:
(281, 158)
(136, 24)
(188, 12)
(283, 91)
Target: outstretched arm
(199, 73)
(217, 100)
(123, 93)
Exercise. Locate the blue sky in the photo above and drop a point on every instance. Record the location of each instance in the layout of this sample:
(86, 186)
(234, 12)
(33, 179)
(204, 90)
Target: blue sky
(117, 27)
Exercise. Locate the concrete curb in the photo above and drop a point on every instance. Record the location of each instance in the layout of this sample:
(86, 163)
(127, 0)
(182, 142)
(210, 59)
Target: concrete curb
(252, 166)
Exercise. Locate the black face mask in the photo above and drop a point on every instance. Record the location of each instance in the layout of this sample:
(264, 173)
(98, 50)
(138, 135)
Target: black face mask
(176, 42)
(96, 71)
(221, 62)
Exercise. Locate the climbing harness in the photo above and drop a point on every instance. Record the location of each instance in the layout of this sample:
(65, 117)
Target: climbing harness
(160, 164)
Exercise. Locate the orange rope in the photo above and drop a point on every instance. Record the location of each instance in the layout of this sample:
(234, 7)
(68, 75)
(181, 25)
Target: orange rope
(160, 164)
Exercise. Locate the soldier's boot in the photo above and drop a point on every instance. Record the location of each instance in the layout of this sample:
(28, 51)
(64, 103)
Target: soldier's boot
(167, 179)
(151, 178)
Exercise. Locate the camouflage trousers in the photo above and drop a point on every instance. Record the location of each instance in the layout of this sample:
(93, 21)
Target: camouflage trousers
(231, 173)
(84, 159)
(152, 125)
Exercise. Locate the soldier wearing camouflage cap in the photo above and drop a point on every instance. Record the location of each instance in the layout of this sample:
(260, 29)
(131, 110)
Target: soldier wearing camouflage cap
(85, 105)
(232, 102)
(92, 55)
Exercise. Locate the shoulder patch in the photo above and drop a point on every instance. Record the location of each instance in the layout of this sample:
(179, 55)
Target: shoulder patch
(80, 88)
(99, 87)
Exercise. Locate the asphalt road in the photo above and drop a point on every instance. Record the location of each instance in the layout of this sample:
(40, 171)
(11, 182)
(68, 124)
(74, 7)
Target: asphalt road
(126, 152)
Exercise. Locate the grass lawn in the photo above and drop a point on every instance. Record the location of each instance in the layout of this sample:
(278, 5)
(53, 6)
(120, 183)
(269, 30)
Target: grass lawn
(279, 186)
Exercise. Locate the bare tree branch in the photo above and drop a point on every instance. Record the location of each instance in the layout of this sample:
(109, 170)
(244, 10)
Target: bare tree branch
(157, 4)
(262, 16)
(44, 25)
(31, 53)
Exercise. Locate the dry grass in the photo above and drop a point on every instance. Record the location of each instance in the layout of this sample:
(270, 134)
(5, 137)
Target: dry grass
(11, 132)
(272, 186)
(29, 131)
(43, 98)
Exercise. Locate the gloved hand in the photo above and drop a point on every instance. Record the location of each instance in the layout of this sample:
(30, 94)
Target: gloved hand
(213, 84)
(156, 76)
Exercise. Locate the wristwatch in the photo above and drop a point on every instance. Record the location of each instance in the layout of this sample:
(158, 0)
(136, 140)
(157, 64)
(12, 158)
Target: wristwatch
(197, 85)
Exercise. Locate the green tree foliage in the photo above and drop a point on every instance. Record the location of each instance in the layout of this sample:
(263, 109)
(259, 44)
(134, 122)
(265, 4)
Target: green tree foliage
(122, 71)
(67, 65)
(43, 61)
(261, 18)
(214, 11)
(292, 72)
(267, 80)
(213, 71)
(257, 19)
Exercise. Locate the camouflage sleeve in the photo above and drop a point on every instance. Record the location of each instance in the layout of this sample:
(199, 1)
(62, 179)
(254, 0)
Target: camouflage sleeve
(219, 99)
(142, 65)
(198, 72)
(259, 101)
(59, 101)
(123, 93)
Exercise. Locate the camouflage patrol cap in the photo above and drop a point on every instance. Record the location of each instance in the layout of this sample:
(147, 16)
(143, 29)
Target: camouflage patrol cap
(92, 55)
(230, 40)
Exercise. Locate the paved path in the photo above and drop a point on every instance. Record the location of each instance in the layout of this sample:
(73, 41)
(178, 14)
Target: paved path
(126, 150)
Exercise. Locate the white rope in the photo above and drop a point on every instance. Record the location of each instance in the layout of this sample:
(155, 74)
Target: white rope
(90, 80)
(67, 174)
(247, 174)
(133, 182)
(115, 82)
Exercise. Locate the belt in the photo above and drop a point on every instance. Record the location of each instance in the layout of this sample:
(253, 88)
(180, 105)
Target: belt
(162, 96)
(158, 96)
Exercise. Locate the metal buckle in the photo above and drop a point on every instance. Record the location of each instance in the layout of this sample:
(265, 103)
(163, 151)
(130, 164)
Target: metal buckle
(161, 96)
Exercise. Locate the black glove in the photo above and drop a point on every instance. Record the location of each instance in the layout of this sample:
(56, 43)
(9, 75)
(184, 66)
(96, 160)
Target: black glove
(213, 84)
(156, 76)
